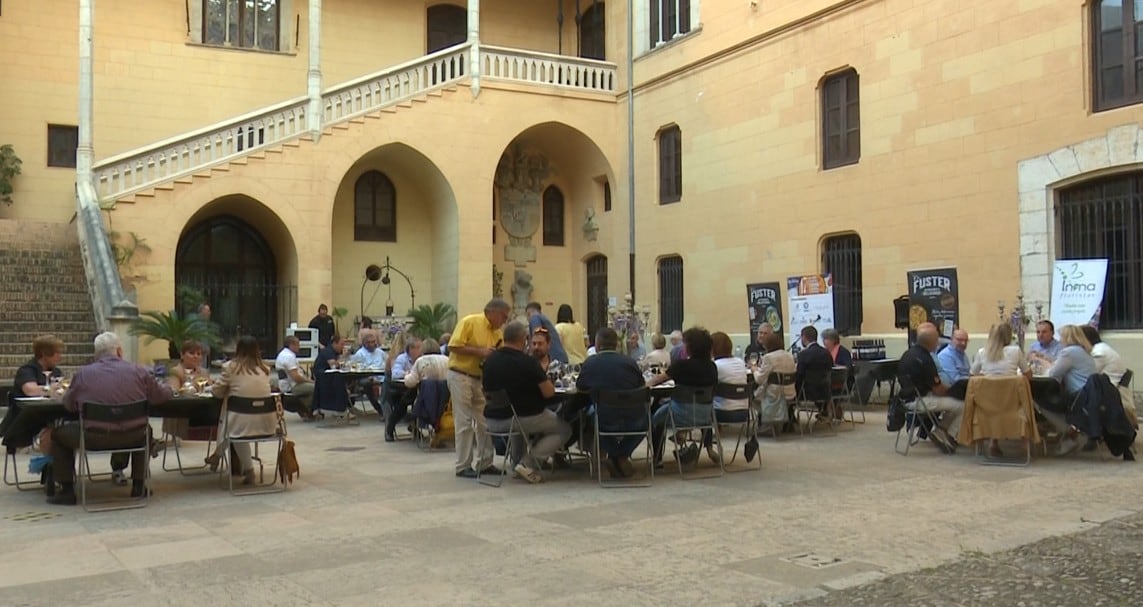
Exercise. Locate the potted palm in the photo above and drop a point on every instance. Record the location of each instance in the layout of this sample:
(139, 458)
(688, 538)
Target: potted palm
(174, 329)
(432, 321)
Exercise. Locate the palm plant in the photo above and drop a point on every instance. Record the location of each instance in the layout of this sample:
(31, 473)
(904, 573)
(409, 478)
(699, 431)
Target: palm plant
(174, 329)
(432, 321)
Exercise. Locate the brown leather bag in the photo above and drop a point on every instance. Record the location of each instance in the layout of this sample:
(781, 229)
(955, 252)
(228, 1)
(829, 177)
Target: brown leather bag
(287, 457)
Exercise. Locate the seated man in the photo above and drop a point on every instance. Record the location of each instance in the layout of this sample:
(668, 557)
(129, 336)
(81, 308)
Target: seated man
(953, 365)
(919, 378)
(370, 356)
(510, 369)
(330, 393)
(1043, 352)
(813, 361)
(47, 352)
(537, 321)
(610, 370)
(108, 380)
(541, 348)
(405, 360)
(290, 378)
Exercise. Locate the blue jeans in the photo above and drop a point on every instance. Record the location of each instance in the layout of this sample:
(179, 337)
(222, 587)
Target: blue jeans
(684, 414)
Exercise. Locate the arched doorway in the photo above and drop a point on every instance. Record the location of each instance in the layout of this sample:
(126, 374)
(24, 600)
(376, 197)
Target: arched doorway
(231, 265)
(447, 26)
(596, 294)
(592, 33)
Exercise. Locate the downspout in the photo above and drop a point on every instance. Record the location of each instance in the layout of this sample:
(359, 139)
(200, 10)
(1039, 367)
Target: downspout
(85, 151)
(474, 46)
(631, 146)
(314, 110)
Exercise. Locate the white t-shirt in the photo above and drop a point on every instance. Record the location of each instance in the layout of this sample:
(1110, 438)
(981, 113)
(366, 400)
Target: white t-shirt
(286, 361)
(1108, 361)
(731, 370)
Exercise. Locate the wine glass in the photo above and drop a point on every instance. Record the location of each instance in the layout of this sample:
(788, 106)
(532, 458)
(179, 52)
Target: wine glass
(201, 382)
(65, 383)
(752, 359)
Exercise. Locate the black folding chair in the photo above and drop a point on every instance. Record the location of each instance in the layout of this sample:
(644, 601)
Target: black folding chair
(746, 429)
(113, 414)
(814, 399)
(253, 406)
(783, 381)
(619, 409)
(698, 402)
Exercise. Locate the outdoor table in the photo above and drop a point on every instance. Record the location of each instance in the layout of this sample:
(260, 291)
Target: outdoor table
(870, 373)
(1048, 393)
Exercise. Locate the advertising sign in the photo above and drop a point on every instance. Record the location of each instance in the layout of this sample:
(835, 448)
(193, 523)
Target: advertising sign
(765, 305)
(1077, 291)
(811, 303)
(933, 297)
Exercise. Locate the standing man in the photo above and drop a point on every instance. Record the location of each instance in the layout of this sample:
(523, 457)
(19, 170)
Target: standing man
(323, 324)
(537, 320)
(201, 313)
(108, 380)
(475, 338)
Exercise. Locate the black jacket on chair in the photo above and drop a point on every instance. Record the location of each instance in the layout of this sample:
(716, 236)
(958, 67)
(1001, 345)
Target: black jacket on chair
(1098, 413)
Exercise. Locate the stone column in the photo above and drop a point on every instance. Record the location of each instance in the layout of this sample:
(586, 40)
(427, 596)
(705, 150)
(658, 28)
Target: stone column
(314, 110)
(85, 152)
(474, 40)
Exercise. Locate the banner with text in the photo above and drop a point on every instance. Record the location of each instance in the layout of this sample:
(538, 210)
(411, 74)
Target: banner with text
(1077, 291)
(765, 305)
(811, 303)
(933, 297)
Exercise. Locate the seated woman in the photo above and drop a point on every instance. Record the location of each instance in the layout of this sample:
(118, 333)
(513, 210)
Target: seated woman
(427, 367)
(658, 356)
(1072, 368)
(1108, 362)
(247, 376)
(696, 371)
(731, 370)
(772, 396)
(182, 376)
(1000, 357)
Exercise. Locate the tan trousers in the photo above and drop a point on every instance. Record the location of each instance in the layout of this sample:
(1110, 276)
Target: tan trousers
(467, 395)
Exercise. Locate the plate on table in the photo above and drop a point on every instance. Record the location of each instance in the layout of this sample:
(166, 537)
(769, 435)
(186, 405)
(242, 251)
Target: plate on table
(28, 399)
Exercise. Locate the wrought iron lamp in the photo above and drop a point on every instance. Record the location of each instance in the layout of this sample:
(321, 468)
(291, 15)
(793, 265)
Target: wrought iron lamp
(1019, 319)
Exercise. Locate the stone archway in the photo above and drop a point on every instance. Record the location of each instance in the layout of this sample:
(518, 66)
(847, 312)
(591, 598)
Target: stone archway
(1039, 178)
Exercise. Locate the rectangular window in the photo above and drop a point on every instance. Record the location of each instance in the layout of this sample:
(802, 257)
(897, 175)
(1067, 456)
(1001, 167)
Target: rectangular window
(1104, 219)
(841, 120)
(841, 258)
(251, 24)
(553, 216)
(62, 143)
(670, 165)
(606, 195)
(670, 294)
(669, 18)
(1117, 43)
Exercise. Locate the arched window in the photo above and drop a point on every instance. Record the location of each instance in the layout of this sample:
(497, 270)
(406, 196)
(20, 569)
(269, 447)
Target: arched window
(374, 208)
(1103, 219)
(592, 33)
(447, 26)
(553, 217)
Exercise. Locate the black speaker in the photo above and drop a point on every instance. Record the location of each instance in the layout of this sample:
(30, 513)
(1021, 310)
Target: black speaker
(901, 312)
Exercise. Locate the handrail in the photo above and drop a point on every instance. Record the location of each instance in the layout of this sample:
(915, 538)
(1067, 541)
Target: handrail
(534, 67)
(395, 84)
(108, 300)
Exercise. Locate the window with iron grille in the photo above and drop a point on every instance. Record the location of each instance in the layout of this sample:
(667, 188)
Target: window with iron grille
(553, 214)
(670, 164)
(242, 23)
(1103, 218)
(670, 294)
(1117, 53)
(62, 144)
(841, 120)
(374, 208)
(841, 258)
(597, 298)
(669, 18)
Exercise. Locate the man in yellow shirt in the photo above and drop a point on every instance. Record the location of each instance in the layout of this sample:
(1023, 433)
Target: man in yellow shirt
(474, 338)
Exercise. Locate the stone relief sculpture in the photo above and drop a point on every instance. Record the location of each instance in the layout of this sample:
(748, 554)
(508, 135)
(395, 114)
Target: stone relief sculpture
(519, 182)
(521, 291)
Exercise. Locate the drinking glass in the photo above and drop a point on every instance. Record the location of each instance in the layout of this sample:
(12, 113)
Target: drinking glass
(201, 382)
(65, 383)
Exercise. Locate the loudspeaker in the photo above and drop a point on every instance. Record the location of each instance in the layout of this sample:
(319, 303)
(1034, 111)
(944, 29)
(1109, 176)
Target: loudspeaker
(901, 312)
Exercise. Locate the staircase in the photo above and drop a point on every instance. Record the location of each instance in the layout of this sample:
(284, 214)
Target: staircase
(42, 290)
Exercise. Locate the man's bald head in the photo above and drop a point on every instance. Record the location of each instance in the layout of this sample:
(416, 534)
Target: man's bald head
(928, 337)
(960, 339)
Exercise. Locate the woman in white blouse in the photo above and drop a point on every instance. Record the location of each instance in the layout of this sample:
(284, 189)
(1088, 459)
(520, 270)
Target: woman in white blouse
(999, 357)
(775, 399)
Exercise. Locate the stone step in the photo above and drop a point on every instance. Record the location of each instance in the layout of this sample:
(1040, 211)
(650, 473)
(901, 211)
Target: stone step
(47, 325)
(70, 338)
(49, 303)
(69, 358)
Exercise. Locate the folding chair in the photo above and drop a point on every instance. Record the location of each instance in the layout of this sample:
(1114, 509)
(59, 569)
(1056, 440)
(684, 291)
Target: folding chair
(993, 407)
(499, 404)
(783, 380)
(698, 402)
(842, 396)
(113, 414)
(617, 409)
(430, 405)
(208, 434)
(746, 429)
(253, 406)
(919, 420)
(814, 399)
(10, 456)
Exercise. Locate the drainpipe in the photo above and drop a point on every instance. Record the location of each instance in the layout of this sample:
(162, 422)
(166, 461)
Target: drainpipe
(85, 152)
(474, 49)
(631, 145)
(314, 112)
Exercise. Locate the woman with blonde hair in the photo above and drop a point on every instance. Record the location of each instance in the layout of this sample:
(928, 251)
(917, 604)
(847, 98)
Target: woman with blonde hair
(247, 376)
(999, 357)
(572, 335)
(1073, 366)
